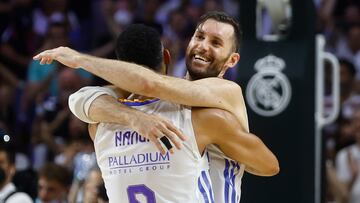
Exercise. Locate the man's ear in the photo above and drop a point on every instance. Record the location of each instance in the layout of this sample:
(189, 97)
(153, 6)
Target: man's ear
(233, 59)
(167, 57)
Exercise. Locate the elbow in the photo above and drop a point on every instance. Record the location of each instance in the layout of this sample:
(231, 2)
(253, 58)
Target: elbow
(270, 162)
(273, 167)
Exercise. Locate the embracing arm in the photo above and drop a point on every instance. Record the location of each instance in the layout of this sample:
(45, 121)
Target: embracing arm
(222, 128)
(209, 92)
(99, 104)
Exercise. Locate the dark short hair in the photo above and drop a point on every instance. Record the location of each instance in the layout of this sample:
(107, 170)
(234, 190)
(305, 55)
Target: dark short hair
(56, 173)
(140, 44)
(224, 18)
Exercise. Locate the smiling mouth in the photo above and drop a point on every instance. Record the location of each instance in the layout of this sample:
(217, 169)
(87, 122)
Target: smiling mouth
(201, 59)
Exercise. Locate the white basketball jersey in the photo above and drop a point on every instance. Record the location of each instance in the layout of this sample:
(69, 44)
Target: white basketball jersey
(226, 175)
(134, 171)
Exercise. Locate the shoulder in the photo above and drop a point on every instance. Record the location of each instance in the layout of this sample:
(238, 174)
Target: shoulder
(92, 89)
(20, 197)
(219, 82)
(228, 91)
(213, 118)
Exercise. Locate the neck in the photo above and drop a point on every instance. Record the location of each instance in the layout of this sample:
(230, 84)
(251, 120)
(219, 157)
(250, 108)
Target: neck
(188, 77)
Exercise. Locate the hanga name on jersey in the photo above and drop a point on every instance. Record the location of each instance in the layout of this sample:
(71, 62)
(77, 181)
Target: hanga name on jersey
(124, 138)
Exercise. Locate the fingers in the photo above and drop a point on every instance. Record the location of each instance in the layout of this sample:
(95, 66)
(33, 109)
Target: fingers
(157, 144)
(49, 61)
(45, 57)
(161, 142)
(166, 142)
(173, 137)
(173, 134)
(176, 131)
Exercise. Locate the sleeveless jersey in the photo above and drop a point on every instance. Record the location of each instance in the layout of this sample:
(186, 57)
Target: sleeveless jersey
(225, 175)
(135, 171)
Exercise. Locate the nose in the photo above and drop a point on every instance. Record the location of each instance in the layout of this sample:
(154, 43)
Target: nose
(203, 45)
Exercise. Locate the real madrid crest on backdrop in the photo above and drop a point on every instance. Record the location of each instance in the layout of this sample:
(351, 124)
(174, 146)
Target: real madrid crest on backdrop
(268, 92)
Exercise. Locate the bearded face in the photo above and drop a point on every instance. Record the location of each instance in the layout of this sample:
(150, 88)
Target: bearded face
(199, 67)
(209, 50)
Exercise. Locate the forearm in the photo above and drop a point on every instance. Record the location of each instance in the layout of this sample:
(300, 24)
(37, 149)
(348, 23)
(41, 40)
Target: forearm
(140, 80)
(209, 92)
(107, 109)
(99, 104)
(128, 76)
(251, 151)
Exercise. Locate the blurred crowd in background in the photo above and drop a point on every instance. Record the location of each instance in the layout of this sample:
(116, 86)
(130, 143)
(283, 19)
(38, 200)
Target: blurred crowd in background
(54, 155)
(339, 22)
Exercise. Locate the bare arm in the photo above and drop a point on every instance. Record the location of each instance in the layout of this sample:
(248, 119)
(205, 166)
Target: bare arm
(97, 104)
(222, 128)
(209, 92)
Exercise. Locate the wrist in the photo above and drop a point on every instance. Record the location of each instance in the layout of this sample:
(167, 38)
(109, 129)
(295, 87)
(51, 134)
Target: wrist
(80, 61)
(133, 119)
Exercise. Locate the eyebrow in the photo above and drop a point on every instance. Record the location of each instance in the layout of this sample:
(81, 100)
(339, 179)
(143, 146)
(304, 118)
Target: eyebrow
(201, 31)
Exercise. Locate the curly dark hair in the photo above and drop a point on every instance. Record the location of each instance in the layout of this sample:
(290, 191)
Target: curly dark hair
(140, 44)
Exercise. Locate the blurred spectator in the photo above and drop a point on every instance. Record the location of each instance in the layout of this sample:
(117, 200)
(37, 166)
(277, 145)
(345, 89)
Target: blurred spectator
(212, 5)
(146, 14)
(42, 79)
(5, 9)
(348, 163)
(78, 142)
(88, 191)
(53, 184)
(8, 191)
(102, 196)
(8, 85)
(176, 37)
(337, 134)
(337, 190)
(86, 174)
(17, 40)
(51, 11)
(348, 47)
(51, 127)
(92, 185)
(341, 6)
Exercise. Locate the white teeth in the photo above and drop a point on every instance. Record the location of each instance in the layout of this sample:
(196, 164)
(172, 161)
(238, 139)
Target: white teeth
(198, 57)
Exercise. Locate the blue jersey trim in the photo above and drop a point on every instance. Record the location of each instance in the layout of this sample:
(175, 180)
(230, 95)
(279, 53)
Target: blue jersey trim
(139, 103)
(233, 182)
(234, 179)
(208, 185)
(203, 192)
(227, 181)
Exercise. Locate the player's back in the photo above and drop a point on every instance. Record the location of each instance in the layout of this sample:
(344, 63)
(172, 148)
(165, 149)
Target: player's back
(135, 171)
